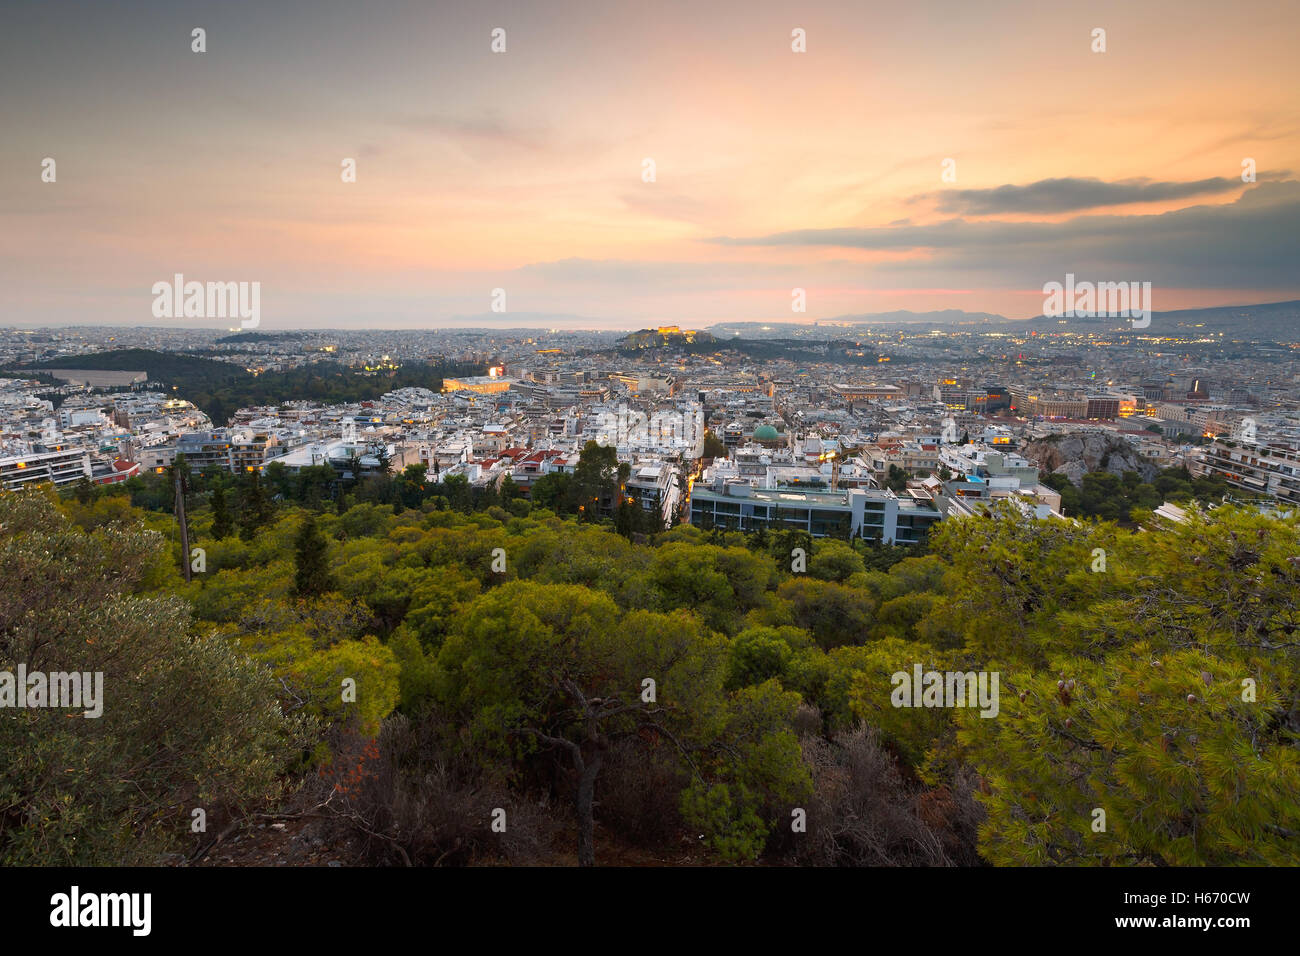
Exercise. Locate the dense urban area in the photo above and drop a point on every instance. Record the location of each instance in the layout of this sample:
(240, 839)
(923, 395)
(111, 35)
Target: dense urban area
(646, 596)
(892, 428)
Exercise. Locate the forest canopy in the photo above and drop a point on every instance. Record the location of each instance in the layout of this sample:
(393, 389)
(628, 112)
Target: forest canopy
(416, 668)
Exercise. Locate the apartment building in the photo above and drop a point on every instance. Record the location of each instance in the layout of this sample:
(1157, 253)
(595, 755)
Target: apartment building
(1272, 470)
(654, 484)
(57, 467)
(857, 512)
(914, 457)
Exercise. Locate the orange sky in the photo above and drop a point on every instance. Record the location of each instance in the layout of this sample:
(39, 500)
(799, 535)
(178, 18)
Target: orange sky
(522, 170)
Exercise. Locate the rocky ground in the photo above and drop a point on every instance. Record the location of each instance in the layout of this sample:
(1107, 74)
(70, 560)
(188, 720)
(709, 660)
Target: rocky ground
(1076, 455)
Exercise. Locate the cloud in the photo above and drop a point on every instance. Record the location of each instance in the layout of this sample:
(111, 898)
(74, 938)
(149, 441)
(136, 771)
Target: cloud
(1253, 242)
(1071, 194)
(482, 129)
(645, 273)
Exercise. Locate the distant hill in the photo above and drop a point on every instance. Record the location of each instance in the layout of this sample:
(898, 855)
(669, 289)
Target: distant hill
(908, 317)
(167, 367)
(803, 350)
(240, 337)
(1270, 321)
(664, 337)
(220, 388)
(1266, 322)
(839, 325)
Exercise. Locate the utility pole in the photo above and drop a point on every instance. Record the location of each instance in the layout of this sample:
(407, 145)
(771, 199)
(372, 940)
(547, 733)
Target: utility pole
(179, 479)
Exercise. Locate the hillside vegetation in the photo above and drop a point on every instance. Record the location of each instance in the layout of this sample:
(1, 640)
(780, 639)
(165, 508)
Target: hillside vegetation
(220, 388)
(436, 671)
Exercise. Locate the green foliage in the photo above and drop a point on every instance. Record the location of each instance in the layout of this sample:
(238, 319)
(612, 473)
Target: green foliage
(1185, 771)
(1153, 728)
(223, 525)
(865, 676)
(311, 575)
(896, 479)
(596, 480)
(833, 613)
(834, 561)
(185, 720)
(257, 508)
(713, 446)
(749, 787)
(759, 654)
(719, 584)
(220, 388)
(537, 670)
(1113, 497)
(555, 492)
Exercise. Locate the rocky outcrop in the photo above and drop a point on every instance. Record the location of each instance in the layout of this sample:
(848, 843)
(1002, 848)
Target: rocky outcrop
(1077, 454)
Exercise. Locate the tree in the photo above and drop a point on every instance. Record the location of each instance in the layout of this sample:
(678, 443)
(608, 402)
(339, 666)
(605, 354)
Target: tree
(833, 613)
(184, 720)
(312, 485)
(84, 491)
(540, 666)
(553, 667)
(352, 467)
(554, 491)
(222, 523)
(834, 561)
(311, 565)
(713, 446)
(596, 479)
(457, 491)
(654, 518)
(280, 480)
(1158, 687)
(411, 485)
(719, 584)
(896, 480)
(629, 517)
(257, 509)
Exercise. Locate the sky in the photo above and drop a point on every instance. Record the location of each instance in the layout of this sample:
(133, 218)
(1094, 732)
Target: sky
(525, 170)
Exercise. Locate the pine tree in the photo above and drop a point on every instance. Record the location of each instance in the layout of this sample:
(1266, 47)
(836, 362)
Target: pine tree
(311, 567)
(654, 523)
(627, 517)
(596, 478)
(222, 523)
(257, 508)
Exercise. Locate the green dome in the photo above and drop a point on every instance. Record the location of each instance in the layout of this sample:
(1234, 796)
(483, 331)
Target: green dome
(766, 433)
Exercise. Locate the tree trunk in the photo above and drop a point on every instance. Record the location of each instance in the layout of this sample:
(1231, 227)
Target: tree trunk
(586, 800)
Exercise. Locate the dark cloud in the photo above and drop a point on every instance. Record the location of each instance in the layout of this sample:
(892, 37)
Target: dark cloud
(1253, 242)
(1072, 194)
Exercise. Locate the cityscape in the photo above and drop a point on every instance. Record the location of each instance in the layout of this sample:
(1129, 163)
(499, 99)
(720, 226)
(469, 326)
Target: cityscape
(443, 442)
(916, 422)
